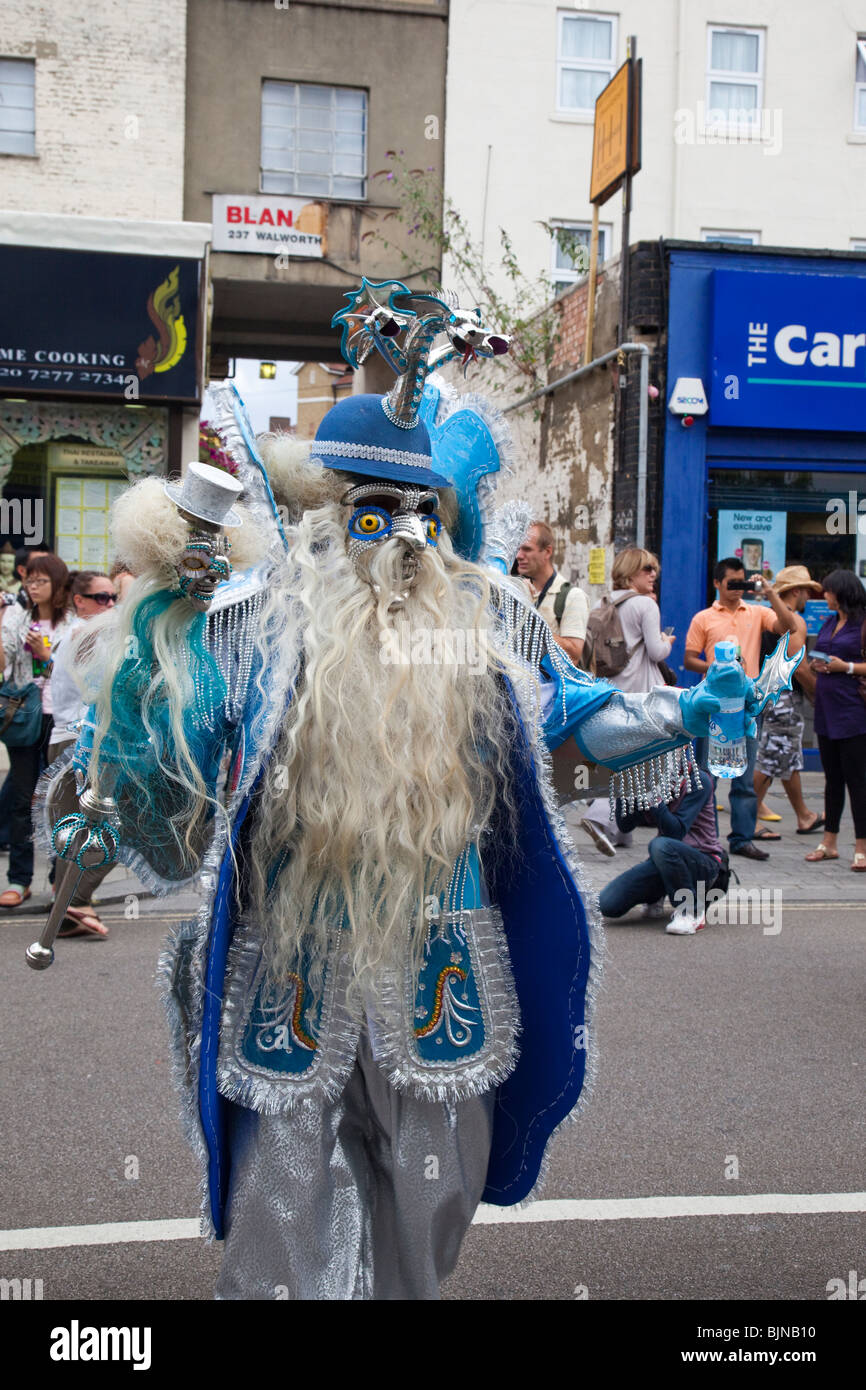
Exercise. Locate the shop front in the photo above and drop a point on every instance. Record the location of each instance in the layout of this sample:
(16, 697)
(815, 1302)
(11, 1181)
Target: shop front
(775, 471)
(101, 366)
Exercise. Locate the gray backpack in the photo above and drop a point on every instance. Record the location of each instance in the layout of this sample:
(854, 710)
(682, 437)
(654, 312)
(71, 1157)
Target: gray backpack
(605, 653)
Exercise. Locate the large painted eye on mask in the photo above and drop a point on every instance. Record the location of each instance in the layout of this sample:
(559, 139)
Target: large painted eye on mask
(432, 527)
(370, 524)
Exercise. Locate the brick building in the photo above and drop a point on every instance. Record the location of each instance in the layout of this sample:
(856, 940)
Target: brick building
(102, 315)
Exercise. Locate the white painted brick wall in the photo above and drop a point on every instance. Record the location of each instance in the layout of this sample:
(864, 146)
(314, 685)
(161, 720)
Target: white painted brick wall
(110, 79)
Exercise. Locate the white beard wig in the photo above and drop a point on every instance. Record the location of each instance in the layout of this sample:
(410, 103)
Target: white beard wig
(386, 765)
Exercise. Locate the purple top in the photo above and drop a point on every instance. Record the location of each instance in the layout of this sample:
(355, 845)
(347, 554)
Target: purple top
(839, 710)
(702, 833)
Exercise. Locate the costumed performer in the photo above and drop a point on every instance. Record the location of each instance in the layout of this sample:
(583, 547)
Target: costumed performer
(380, 1011)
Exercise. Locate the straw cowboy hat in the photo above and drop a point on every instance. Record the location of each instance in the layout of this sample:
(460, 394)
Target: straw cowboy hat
(796, 577)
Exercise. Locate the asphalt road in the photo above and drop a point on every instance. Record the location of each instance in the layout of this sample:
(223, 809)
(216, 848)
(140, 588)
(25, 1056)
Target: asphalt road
(729, 1051)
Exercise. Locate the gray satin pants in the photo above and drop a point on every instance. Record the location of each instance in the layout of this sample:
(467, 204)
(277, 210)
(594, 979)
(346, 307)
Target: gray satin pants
(365, 1197)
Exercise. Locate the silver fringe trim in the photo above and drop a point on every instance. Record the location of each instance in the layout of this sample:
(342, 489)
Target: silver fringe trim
(262, 1088)
(540, 643)
(395, 1047)
(184, 1024)
(653, 782)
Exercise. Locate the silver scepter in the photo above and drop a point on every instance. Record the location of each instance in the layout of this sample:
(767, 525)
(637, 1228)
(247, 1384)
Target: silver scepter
(88, 838)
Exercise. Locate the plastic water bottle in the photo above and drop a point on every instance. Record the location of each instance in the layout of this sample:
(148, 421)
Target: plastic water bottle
(727, 754)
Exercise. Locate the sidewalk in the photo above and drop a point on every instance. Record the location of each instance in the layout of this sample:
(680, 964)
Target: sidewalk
(829, 882)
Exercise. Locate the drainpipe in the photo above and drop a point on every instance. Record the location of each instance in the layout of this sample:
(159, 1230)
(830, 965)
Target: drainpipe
(643, 418)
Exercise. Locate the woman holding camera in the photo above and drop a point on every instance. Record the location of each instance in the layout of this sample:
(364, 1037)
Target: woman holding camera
(28, 638)
(840, 712)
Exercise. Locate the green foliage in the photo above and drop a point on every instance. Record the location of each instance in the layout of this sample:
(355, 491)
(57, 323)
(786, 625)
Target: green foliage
(526, 310)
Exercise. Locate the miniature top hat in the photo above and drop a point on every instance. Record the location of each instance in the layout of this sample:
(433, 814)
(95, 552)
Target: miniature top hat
(207, 493)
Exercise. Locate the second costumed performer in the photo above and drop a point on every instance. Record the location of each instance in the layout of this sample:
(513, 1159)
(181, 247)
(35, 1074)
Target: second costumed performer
(380, 1012)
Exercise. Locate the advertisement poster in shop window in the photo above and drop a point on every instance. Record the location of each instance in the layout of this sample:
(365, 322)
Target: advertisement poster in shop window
(757, 538)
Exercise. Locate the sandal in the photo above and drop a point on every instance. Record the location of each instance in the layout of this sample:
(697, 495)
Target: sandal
(859, 865)
(82, 921)
(822, 852)
(14, 897)
(768, 815)
(766, 834)
(817, 824)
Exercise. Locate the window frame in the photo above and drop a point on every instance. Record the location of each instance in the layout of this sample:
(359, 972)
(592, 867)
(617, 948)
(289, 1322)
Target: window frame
(29, 153)
(563, 280)
(587, 64)
(735, 77)
(295, 173)
(859, 87)
(727, 235)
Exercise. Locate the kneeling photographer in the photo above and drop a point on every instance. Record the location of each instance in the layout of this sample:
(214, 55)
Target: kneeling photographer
(685, 854)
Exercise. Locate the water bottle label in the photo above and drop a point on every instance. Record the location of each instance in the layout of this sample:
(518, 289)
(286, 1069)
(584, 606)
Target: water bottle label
(730, 705)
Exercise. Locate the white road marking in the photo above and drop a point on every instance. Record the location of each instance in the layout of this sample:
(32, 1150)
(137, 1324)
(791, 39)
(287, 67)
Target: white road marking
(111, 1233)
(609, 1209)
(644, 1208)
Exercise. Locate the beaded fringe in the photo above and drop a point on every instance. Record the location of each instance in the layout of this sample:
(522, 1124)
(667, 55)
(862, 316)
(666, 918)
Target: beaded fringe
(653, 782)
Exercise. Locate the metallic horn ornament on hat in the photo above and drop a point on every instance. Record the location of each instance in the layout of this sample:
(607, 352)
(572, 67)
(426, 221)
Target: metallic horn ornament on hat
(379, 312)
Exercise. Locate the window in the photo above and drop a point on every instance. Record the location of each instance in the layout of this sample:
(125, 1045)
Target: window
(585, 60)
(734, 238)
(860, 86)
(314, 140)
(858, 244)
(735, 76)
(563, 270)
(17, 106)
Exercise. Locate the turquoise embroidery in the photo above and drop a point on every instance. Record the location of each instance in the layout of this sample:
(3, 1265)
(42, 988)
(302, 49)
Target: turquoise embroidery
(283, 1027)
(449, 1024)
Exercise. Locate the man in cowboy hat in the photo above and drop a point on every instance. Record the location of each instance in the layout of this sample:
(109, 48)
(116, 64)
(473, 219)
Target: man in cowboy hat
(780, 746)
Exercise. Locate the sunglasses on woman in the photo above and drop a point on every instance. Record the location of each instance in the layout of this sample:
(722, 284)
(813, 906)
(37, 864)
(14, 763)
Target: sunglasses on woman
(102, 599)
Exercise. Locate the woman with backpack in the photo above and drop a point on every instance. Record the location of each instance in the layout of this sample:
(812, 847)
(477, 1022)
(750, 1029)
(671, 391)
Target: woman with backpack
(629, 644)
(625, 644)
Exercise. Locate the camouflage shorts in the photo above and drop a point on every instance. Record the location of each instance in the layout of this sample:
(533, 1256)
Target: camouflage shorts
(780, 746)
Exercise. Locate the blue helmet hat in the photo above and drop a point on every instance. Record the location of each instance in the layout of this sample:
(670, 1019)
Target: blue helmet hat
(356, 436)
(420, 432)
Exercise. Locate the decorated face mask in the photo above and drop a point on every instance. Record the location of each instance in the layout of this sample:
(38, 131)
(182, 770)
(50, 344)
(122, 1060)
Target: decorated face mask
(203, 564)
(383, 511)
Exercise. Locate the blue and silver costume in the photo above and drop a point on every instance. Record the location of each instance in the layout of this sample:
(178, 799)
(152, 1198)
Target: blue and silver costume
(344, 1152)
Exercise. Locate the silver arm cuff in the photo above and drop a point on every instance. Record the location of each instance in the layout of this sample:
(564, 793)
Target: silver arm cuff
(631, 728)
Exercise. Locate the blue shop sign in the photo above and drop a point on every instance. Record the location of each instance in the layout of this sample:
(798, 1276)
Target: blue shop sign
(788, 351)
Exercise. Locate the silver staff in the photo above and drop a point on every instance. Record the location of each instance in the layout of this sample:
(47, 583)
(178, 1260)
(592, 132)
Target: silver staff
(89, 839)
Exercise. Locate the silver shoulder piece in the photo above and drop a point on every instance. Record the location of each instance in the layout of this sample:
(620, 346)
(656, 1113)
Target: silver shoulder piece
(506, 528)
